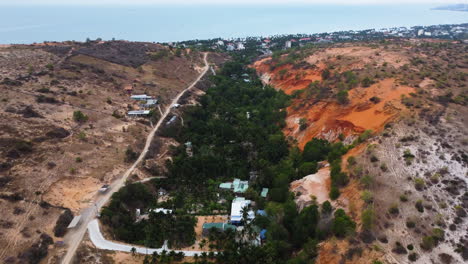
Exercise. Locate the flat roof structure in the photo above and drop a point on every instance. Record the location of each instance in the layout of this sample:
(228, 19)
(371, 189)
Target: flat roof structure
(264, 192)
(225, 185)
(161, 210)
(142, 97)
(138, 112)
(240, 186)
(237, 206)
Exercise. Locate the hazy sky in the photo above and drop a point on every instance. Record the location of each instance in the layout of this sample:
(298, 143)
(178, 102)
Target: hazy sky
(133, 2)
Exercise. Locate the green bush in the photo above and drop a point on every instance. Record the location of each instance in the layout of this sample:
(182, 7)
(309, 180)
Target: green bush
(342, 97)
(334, 193)
(342, 224)
(367, 218)
(78, 116)
(428, 242)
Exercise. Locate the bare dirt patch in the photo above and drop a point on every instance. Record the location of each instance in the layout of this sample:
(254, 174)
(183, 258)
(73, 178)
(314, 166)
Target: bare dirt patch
(314, 187)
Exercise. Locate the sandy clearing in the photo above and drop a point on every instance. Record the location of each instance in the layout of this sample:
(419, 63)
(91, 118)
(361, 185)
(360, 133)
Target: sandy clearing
(365, 55)
(312, 187)
(73, 193)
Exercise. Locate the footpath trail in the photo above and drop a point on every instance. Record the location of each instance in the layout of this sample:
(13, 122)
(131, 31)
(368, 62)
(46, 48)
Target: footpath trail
(74, 237)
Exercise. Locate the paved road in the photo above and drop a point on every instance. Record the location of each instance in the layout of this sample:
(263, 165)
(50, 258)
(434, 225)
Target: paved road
(100, 242)
(74, 237)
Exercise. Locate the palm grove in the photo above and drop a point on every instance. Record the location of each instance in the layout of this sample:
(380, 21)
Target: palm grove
(235, 133)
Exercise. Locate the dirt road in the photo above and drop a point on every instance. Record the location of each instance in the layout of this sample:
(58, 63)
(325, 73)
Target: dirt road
(74, 237)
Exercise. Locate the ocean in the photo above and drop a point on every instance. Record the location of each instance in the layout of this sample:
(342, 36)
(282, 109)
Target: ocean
(21, 24)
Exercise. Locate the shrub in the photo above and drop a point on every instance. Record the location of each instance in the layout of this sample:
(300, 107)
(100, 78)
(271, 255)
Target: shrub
(130, 155)
(394, 209)
(307, 168)
(62, 222)
(428, 242)
(351, 161)
(375, 99)
(403, 198)
(374, 158)
(367, 196)
(78, 116)
(419, 206)
(326, 207)
(366, 180)
(302, 124)
(408, 156)
(383, 167)
(45, 99)
(438, 234)
(366, 82)
(334, 193)
(82, 135)
(43, 90)
(410, 223)
(419, 184)
(326, 74)
(413, 257)
(364, 136)
(342, 97)
(78, 159)
(367, 219)
(342, 224)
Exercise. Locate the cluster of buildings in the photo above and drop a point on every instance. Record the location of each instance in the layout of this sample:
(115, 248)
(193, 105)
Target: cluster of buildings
(148, 103)
(266, 44)
(241, 210)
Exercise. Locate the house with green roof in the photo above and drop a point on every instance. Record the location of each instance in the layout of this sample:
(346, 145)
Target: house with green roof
(220, 226)
(237, 186)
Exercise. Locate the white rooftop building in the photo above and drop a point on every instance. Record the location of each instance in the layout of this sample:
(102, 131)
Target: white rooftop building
(142, 97)
(237, 207)
(138, 113)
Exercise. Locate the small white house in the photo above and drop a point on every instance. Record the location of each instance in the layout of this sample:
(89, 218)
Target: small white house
(138, 113)
(141, 97)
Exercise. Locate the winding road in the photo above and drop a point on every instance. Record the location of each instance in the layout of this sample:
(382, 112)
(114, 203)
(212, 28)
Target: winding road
(74, 237)
(100, 242)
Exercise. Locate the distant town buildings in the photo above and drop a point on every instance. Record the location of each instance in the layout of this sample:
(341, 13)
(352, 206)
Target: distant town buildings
(266, 44)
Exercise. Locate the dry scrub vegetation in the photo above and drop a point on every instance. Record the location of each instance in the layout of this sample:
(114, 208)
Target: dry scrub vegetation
(64, 130)
(408, 183)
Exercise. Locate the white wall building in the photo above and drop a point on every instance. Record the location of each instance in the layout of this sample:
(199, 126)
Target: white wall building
(237, 207)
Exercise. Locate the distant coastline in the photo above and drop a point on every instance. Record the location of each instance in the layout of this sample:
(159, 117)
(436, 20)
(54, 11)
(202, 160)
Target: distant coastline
(24, 24)
(457, 7)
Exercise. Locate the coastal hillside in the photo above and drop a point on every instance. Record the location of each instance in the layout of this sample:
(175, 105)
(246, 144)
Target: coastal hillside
(65, 129)
(405, 100)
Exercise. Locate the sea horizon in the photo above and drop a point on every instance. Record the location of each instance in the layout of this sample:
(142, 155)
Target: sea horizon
(165, 23)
